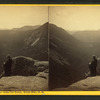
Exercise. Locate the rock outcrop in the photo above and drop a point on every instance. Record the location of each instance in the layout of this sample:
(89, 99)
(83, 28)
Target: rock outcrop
(23, 83)
(88, 84)
(26, 76)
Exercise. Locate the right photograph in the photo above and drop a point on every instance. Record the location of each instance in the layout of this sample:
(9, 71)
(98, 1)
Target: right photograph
(74, 42)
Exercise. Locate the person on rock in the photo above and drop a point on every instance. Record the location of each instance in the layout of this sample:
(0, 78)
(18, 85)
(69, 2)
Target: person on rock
(7, 66)
(93, 66)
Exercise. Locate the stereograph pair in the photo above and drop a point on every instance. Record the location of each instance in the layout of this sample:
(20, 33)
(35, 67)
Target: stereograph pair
(49, 48)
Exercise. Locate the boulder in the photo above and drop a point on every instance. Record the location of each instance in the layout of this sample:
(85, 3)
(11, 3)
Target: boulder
(42, 75)
(23, 66)
(41, 65)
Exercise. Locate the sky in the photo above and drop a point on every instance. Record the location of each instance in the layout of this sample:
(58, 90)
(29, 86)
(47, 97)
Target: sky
(19, 16)
(75, 18)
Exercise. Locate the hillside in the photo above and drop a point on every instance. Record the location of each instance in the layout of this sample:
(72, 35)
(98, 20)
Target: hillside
(68, 58)
(36, 43)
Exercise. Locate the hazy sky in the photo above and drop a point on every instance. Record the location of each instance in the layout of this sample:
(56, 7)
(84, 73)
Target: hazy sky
(76, 17)
(18, 16)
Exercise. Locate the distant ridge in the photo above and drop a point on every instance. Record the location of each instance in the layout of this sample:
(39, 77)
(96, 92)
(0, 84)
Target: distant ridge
(88, 36)
(25, 28)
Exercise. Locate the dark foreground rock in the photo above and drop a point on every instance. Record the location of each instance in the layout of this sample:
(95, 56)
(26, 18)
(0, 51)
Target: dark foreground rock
(22, 83)
(88, 84)
(23, 66)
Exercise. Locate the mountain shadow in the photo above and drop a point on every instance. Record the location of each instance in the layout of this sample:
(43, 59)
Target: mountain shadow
(68, 58)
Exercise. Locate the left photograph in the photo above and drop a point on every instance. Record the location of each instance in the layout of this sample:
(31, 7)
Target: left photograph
(24, 48)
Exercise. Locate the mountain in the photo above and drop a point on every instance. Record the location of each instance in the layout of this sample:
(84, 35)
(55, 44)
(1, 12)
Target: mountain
(25, 41)
(36, 43)
(68, 58)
